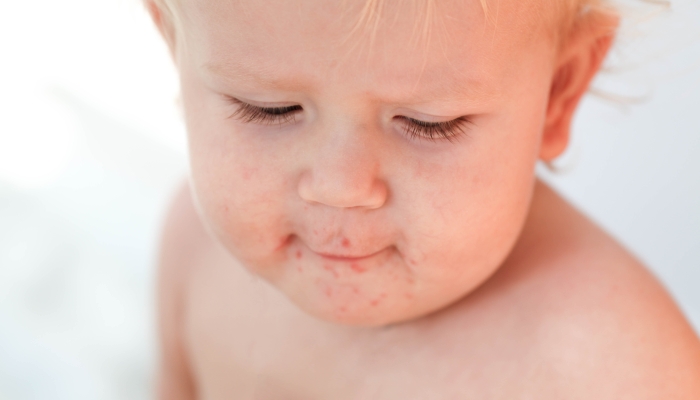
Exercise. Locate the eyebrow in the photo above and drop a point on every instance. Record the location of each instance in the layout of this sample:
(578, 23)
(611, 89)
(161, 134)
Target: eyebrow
(244, 73)
(471, 89)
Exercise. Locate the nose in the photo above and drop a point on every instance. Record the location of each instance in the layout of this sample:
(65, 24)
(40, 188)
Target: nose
(344, 174)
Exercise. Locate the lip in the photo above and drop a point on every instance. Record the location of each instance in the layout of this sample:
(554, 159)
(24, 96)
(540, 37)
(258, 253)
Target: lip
(345, 257)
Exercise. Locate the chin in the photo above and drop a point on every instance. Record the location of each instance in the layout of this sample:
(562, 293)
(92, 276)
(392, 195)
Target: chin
(358, 315)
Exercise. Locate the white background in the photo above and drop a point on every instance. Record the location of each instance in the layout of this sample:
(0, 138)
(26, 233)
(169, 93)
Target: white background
(91, 147)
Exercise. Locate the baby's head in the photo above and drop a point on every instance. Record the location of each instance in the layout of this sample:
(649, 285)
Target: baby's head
(374, 160)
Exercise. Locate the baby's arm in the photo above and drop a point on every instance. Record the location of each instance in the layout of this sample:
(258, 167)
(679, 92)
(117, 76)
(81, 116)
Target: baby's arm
(175, 381)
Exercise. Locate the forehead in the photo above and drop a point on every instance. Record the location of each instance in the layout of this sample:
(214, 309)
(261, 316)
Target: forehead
(376, 43)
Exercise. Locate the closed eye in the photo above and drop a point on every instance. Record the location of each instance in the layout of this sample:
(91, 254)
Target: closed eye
(416, 129)
(249, 113)
(447, 130)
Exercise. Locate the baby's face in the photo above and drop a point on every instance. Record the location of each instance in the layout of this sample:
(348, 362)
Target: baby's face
(372, 170)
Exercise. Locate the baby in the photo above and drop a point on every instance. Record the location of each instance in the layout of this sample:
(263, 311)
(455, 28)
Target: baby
(363, 219)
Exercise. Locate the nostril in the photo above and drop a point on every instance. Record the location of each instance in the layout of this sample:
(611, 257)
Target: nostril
(368, 192)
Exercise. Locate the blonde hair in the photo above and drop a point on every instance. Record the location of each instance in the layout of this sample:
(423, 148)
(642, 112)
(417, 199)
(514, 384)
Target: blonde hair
(561, 18)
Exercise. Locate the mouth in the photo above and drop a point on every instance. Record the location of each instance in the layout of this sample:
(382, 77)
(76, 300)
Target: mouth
(346, 257)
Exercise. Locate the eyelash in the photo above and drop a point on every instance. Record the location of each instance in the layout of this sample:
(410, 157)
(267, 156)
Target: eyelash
(249, 113)
(416, 129)
(447, 130)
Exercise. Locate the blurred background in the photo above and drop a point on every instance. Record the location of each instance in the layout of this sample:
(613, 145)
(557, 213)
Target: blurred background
(92, 147)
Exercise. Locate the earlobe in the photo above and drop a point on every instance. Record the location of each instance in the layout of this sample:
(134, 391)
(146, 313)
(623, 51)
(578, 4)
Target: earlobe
(579, 63)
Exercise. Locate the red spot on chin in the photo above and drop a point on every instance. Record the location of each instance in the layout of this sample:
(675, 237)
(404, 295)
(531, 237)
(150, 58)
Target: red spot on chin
(408, 296)
(357, 268)
(298, 254)
(328, 292)
(356, 290)
(300, 269)
(345, 242)
(226, 209)
(376, 301)
(343, 309)
(331, 270)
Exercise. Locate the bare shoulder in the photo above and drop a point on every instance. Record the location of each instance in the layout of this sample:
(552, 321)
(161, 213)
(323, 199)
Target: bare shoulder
(182, 241)
(605, 327)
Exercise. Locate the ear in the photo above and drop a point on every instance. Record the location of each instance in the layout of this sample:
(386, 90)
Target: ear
(162, 17)
(578, 62)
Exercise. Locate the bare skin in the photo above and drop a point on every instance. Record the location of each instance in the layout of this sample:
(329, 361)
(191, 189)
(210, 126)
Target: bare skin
(369, 224)
(570, 314)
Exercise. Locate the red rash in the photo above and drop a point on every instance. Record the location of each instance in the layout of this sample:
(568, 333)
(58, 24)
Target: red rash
(357, 268)
(331, 269)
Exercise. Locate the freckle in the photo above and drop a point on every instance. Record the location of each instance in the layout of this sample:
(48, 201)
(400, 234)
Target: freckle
(298, 254)
(357, 268)
(345, 242)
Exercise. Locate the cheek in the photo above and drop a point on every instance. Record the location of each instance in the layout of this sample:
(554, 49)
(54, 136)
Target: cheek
(238, 185)
(468, 209)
